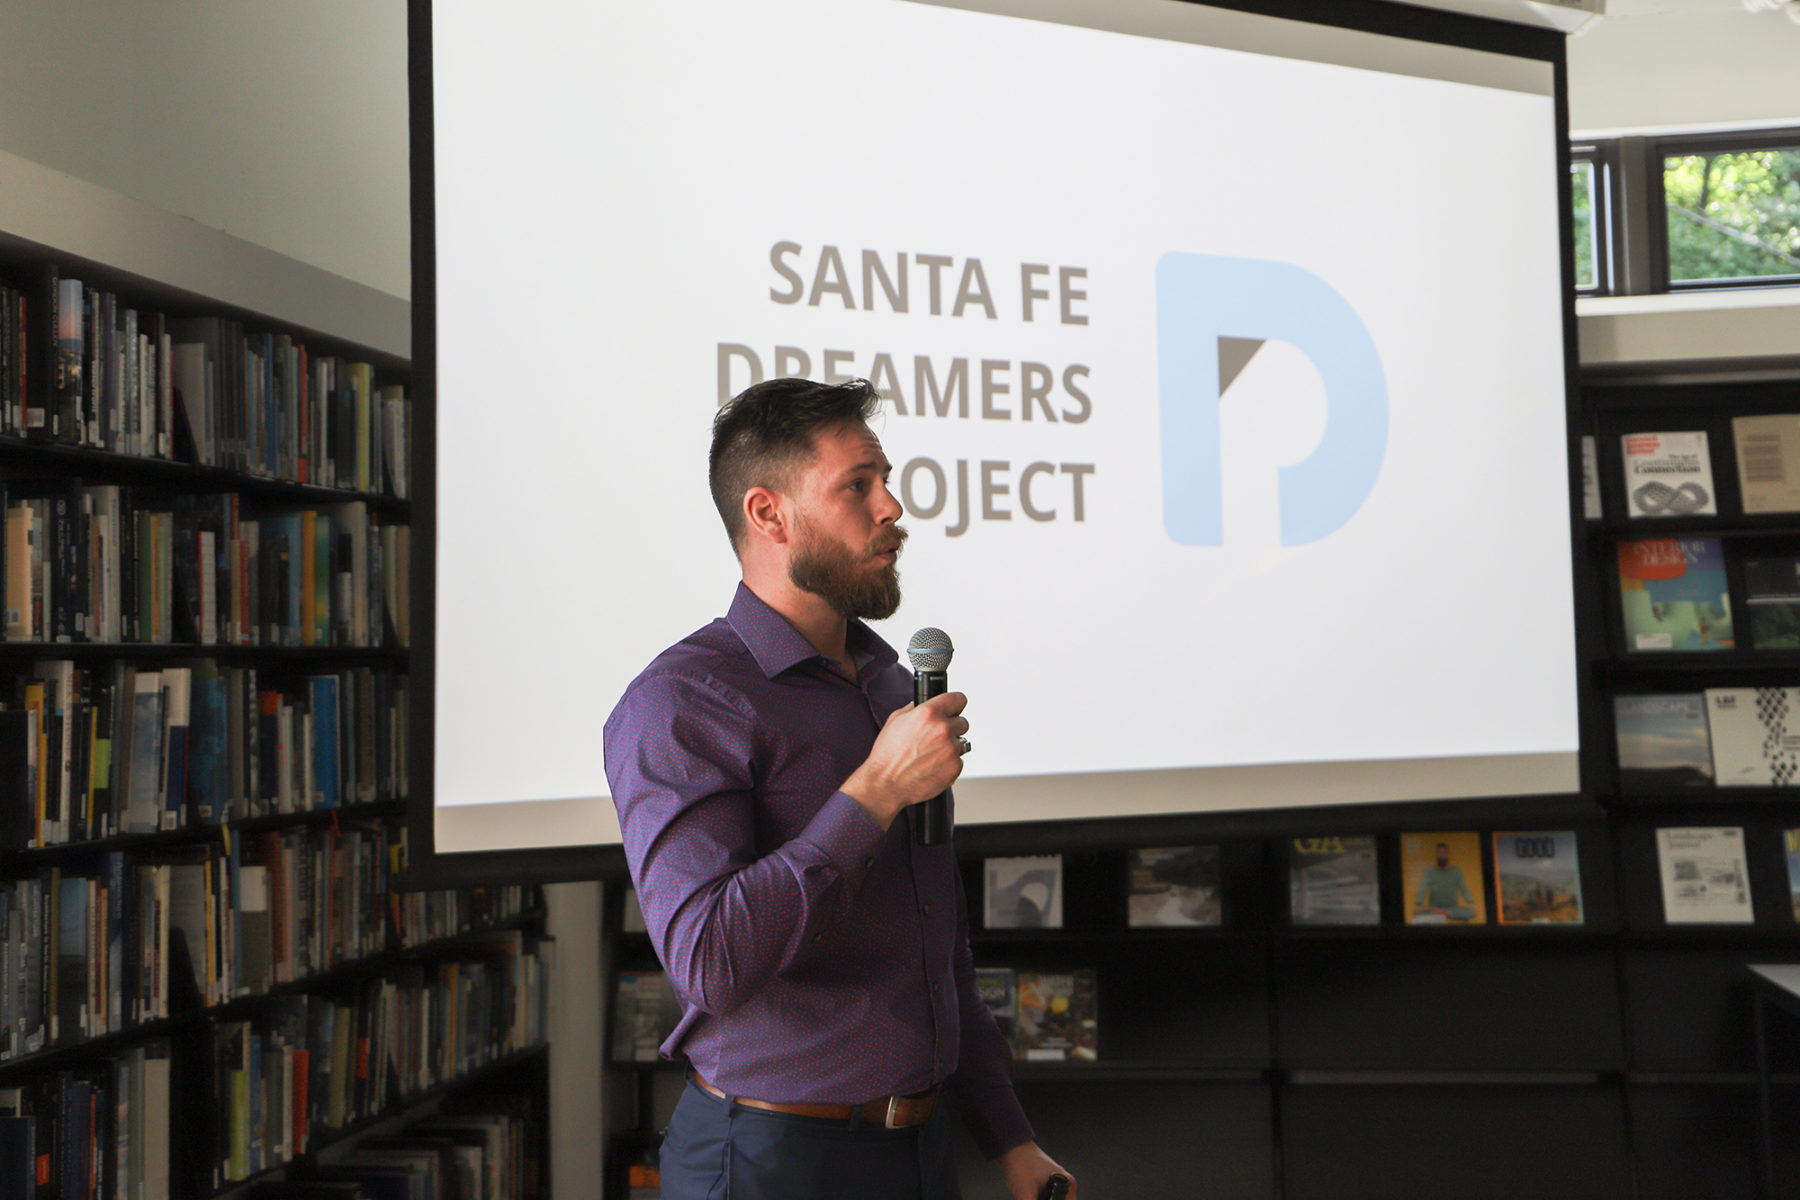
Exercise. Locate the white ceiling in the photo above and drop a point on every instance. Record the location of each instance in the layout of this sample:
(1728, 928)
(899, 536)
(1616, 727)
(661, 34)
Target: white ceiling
(1558, 13)
(1626, 9)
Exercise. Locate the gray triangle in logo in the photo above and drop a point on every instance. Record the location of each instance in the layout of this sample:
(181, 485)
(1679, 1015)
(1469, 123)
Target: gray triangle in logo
(1234, 355)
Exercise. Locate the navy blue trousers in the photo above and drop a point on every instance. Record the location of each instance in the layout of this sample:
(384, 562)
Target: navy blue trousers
(717, 1150)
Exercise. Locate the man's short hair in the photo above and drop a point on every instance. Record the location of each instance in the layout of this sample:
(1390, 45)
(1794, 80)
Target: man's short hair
(767, 430)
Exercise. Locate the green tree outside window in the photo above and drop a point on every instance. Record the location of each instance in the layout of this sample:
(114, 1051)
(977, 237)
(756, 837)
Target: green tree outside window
(1733, 216)
(1582, 179)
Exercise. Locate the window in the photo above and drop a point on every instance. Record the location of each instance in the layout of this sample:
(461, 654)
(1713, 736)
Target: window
(1733, 213)
(1587, 183)
(1685, 212)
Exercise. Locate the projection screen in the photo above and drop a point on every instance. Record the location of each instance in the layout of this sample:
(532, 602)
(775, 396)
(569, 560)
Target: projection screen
(1224, 357)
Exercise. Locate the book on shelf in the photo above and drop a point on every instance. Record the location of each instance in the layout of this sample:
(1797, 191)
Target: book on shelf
(645, 1013)
(1537, 878)
(1772, 602)
(491, 1146)
(1173, 885)
(999, 991)
(643, 1181)
(309, 1065)
(1023, 892)
(122, 749)
(74, 896)
(22, 561)
(105, 563)
(13, 377)
(1674, 595)
(91, 950)
(1058, 1016)
(67, 368)
(1705, 876)
(1441, 878)
(1755, 735)
(402, 1168)
(1790, 843)
(1668, 474)
(1768, 461)
(1590, 479)
(1663, 742)
(631, 915)
(265, 404)
(18, 776)
(99, 1128)
(1334, 880)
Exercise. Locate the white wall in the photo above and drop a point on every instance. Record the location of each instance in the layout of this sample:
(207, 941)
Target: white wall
(282, 122)
(1662, 64)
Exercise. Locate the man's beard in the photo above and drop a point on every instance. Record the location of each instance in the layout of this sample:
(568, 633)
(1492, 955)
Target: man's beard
(845, 579)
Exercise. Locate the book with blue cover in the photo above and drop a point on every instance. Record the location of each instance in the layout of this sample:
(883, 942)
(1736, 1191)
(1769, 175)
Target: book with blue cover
(208, 784)
(327, 771)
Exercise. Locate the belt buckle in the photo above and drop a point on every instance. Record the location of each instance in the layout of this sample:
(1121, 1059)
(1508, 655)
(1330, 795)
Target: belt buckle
(893, 1111)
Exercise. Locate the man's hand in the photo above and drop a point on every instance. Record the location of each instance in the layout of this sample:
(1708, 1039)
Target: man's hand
(1025, 1169)
(915, 757)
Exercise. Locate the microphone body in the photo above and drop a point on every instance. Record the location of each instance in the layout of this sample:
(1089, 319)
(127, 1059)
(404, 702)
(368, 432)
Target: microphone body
(931, 820)
(930, 652)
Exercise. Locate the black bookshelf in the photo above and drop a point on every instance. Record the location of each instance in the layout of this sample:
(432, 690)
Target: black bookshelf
(471, 951)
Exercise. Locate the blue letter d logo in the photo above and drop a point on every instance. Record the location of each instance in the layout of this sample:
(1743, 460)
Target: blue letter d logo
(1211, 315)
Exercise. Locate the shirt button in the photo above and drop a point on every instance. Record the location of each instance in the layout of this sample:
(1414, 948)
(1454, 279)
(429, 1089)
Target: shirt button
(818, 937)
(937, 989)
(868, 860)
(925, 910)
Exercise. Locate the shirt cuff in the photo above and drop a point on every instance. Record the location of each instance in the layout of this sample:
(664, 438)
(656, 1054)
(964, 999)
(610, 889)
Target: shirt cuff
(993, 1116)
(846, 835)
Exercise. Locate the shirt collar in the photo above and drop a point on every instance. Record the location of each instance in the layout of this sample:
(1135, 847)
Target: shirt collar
(776, 645)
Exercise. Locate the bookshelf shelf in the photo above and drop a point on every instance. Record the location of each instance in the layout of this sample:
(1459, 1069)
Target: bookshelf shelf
(78, 1050)
(1130, 1072)
(178, 477)
(296, 658)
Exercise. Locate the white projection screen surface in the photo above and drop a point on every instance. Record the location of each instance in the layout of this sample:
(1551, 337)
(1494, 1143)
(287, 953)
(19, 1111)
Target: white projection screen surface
(1225, 367)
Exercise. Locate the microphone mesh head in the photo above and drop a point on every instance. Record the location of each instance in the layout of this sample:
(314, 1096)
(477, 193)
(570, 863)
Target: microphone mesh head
(930, 649)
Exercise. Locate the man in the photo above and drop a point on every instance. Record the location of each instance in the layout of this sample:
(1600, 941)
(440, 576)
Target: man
(762, 768)
(1442, 889)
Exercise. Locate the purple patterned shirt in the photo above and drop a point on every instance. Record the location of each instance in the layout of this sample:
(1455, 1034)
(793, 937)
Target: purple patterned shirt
(816, 957)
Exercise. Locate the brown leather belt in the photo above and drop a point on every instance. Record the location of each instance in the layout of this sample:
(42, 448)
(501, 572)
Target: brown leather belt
(889, 1112)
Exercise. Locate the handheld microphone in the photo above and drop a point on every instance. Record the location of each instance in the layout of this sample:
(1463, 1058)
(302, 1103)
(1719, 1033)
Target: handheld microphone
(930, 652)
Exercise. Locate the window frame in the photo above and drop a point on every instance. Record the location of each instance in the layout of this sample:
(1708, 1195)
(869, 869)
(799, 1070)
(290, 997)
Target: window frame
(1658, 151)
(1603, 156)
